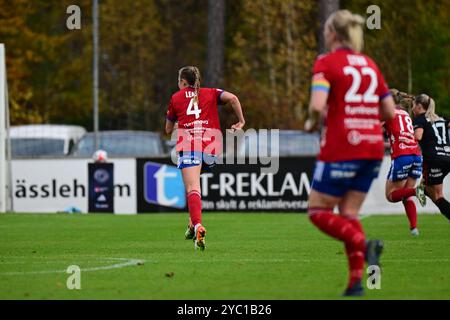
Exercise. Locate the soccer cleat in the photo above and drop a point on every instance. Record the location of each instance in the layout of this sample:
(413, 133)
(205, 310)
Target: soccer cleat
(190, 233)
(374, 248)
(354, 291)
(420, 194)
(415, 232)
(199, 241)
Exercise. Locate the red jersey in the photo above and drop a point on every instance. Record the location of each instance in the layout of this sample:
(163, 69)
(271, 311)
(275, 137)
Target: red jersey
(352, 123)
(198, 124)
(401, 135)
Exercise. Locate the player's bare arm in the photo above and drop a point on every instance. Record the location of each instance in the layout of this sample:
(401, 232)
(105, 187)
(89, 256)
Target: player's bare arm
(170, 126)
(387, 108)
(233, 100)
(418, 134)
(317, 107)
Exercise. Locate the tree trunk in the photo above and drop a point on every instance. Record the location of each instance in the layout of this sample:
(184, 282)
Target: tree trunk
(326, 8)
(269, 52)
(216, 43)
(409, 65)
(289, 52)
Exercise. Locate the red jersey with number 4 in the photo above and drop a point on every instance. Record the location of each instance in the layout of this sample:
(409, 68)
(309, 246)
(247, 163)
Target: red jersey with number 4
(352, 124)
(198, 124)
(401, 135)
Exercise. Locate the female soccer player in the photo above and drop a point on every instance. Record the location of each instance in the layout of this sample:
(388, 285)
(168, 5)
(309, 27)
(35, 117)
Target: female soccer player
(432, 133)
(199, 138)
(350, 94)
(406, 165)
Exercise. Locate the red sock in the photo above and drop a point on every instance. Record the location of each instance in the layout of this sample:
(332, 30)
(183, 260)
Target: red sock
(411, 212)
(356, 224)
(338, 227)
(355, 265)
(400, 194)
(355, 256)
(194, 200)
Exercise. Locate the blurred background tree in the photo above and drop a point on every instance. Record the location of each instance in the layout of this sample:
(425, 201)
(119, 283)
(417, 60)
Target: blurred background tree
(326, 8)
(412, 47)
(261, 50)
(46, 65)
(216, 43)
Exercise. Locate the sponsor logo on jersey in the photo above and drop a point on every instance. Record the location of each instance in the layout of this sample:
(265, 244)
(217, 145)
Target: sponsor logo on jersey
(404, 146)
(354, 137)
(362, 110)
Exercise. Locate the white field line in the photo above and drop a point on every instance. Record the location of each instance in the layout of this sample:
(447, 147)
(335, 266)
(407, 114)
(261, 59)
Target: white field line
(126, 263)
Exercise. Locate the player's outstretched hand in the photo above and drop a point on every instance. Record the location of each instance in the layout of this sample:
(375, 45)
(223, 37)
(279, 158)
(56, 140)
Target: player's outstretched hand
(311, 125)
(237, 126)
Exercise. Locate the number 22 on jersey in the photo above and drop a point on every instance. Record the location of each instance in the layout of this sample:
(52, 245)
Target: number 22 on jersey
(369, 96)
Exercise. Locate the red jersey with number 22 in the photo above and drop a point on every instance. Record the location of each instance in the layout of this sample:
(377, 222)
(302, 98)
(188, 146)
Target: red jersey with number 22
(198, 124)
(401, 135)
(352, 123)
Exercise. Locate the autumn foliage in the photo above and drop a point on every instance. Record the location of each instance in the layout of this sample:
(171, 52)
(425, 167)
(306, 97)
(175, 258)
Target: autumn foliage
(270, 46)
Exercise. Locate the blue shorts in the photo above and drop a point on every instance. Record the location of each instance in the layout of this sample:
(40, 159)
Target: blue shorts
(404, 167)
(337, 178)
(193, 158)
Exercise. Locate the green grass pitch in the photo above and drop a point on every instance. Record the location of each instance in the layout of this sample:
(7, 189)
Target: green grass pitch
(248, 256)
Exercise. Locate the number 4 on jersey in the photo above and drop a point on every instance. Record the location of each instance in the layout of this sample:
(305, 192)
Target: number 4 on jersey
(193, 109)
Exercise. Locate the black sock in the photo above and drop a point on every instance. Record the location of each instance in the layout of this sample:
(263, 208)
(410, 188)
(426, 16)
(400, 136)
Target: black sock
(444, 207)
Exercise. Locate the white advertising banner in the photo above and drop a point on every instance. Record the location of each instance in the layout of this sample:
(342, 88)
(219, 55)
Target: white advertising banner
(48, 186)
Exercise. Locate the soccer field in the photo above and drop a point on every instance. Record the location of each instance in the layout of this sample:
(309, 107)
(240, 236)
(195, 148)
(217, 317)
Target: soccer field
(248, 256)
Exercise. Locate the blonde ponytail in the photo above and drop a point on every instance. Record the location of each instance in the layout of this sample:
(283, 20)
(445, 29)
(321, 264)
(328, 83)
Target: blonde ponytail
(349, 28)
(429, 105)
(431, 112)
